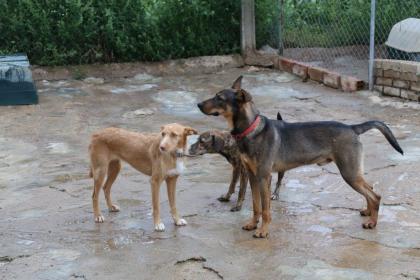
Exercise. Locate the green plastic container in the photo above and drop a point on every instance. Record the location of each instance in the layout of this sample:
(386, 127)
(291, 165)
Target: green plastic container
(16, 84)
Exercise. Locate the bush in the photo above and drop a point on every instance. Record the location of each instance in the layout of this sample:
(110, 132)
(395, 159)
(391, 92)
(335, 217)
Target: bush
(57, 32)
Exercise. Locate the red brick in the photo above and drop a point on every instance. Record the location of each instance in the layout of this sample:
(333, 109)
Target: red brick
(300, 70)
(286, 64)
(349, 83)
(316, 73)
(332, 79)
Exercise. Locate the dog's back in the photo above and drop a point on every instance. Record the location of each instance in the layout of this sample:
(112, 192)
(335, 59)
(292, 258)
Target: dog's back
(114, 144)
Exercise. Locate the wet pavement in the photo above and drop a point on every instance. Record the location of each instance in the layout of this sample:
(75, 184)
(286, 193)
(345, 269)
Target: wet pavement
(47, 229)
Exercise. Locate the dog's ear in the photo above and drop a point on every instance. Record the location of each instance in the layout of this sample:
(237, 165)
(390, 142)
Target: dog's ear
(162, 127)
(190, 131)
(279, 116)
(243, 96)
(237, 85)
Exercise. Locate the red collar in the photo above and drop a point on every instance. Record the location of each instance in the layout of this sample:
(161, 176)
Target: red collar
(247, 131)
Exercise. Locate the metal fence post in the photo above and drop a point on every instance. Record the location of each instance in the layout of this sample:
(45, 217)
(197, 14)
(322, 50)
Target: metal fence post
(247, 26)
(281, 26)
(372, 42)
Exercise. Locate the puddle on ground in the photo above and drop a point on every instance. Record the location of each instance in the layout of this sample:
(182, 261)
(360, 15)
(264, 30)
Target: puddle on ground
(58, 148)
(391, 102)
(67, 92)
(180, 103)
(411, 154)
(321, 229)
(144, 77)
(19, 167)
(389, 213)
(294, 184)
(315, 269)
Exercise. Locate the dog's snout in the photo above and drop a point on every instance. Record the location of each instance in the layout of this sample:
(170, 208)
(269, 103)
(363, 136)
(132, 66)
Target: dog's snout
(162, 148)
(200, 105)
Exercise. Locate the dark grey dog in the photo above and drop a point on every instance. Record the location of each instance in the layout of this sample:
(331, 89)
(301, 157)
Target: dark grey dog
(222, 142)
(267, 145)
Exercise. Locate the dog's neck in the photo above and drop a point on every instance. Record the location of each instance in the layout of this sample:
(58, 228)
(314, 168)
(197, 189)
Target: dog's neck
(179, 164)
(244, 118)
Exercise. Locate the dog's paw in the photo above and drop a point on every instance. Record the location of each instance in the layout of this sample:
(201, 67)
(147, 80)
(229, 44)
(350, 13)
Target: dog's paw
(365, 212)
(236, 208)
(370, 224)
(160, 227)
(259, 233)
(181, 222)
(224, 198)
(275, 196)
(99, 219)
(250, 226)
(114, 208)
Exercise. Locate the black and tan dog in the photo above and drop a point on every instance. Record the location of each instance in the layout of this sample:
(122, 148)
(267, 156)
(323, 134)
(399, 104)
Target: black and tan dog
(267, 145)
(223, 143)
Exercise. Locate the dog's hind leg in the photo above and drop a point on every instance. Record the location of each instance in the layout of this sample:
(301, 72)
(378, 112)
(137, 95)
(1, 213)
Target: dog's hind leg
(242, 190)
(275, 195)
(114, 168)
(171, 188)
(373, 200)
(351, 171)
(235, 176)
(99, 174)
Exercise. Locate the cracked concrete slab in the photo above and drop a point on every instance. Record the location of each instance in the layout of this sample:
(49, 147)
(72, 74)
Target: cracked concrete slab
(316, 233)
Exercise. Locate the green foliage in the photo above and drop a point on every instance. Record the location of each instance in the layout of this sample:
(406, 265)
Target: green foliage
(56, 32)
(329, 23)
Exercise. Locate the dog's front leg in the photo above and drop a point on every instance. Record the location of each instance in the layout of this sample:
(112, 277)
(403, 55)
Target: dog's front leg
(256, 204)
(262, 183)
(155, 182)
(171, 188)
(242, 190)
(235, 176)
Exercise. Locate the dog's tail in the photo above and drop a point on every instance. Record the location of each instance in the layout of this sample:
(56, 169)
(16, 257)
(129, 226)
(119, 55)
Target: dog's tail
(279, 118)
(363, 127)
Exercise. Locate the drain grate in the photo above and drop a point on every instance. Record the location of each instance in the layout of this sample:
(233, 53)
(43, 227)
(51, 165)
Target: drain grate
(16, 84)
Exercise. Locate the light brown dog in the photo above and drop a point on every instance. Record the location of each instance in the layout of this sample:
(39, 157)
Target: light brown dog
(157, 155)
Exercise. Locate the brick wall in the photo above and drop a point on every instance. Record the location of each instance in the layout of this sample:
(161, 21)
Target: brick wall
(398, 78)
(318, 74)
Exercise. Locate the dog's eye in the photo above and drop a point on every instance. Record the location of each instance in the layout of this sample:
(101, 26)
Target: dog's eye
(173, 135)
(163, 134)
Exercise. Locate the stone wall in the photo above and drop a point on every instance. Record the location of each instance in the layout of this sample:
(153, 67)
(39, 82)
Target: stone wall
(318, 74)
(398, 78)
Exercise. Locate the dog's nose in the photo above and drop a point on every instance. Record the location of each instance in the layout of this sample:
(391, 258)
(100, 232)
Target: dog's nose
(200, 105)
(162, 148)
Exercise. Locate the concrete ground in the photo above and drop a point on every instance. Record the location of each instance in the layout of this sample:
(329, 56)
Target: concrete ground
(47, 229)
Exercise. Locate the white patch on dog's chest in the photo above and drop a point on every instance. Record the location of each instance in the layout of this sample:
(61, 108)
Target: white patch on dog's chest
(179, 170)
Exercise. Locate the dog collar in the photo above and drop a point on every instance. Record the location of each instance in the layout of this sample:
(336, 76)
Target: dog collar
(254, 125)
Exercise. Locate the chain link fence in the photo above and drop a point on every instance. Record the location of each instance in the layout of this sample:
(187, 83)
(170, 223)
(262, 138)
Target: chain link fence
(335, 34)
